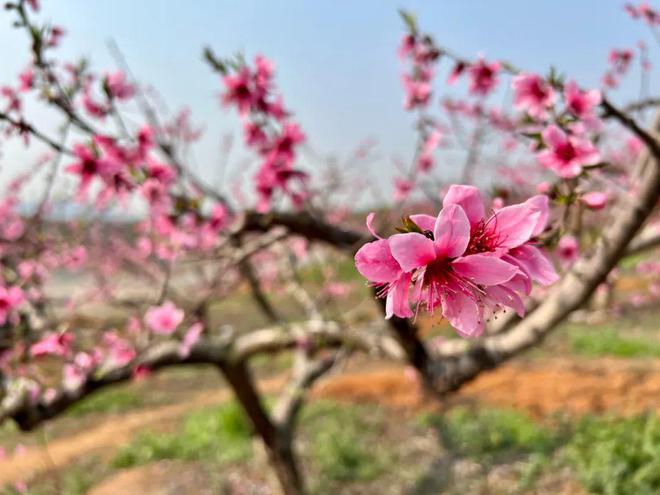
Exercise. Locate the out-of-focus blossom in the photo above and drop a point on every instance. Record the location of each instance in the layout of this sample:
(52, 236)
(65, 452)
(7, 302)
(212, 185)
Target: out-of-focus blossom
(532, 94)
(164, 319)
(566, 155)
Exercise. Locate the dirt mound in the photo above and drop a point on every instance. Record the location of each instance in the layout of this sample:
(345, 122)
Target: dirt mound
(542, 388)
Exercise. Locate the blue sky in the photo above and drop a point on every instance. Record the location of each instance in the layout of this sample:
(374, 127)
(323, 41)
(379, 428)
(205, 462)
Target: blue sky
(336, 60)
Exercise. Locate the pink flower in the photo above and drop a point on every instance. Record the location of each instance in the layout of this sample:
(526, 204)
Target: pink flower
(10, 299)
(533, 95)
(26, 79)
(402, 188)
(164, 319)
(88, 167)
(119, 351)
(595, 200)
(375, 262)
(418, 92)
(568, 250)
(566, 155)
(461, 261)
(239, 91)
(442, 275)
(509, 232)
(92, 107)
(190, 338)
(426, 160)
(337, 289)
(141, 371)
(543, 187)
(456, 72)
(56, 33)
(483, 77)
(620, 60)
(118, 87)
(54, 344)
(581, 103)
(643, 10)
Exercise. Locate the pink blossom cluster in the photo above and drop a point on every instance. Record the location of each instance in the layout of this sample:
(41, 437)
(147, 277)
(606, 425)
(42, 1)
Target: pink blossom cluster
(461, 262)
(619, 61)
(568, 149)
(645, 12)
(115, 87)
(269, 130)
(422, 55)
(483, 75)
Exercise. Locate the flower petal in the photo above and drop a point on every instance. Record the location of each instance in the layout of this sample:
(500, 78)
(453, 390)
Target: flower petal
(370, 225)
(397, 303)
(539, 203)
(463, 314)
(424, 222)
(374, 261)
(536, 264)
(451, 232)
(468, 198)
(553, 136)
(412, 250)
(504, 296)
(483, 269)
(514, 225)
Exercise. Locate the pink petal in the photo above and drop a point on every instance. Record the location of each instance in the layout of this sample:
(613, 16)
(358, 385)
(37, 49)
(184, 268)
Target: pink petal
(506, 297)
(483, 269)
(374, 261)
(595, 200)
(553, 136)
(424, 222)
(514, 225)
(540, 204)
(536, 264)
(468, 198)
(451, 232)
(412, 250)
(397, 298)
(370, 225)
(463, 313)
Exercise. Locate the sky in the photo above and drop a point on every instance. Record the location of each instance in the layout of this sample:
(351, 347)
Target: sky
(336, 60)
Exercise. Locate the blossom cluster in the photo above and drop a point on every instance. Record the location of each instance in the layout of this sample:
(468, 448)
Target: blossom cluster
(421, 54)
(269, 130)
(462, 262)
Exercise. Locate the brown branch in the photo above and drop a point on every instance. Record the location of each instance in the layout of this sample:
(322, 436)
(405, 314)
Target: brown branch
(305, 225)
(643, 243)
(28, 413)
(631, 124)
(24, 127)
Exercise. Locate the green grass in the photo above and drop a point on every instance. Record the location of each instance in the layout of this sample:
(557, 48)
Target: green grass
(608, 342)
(74, 480)
(220, 435)
(490, 435)
(617, 456)
(343, 440)
(112, 400)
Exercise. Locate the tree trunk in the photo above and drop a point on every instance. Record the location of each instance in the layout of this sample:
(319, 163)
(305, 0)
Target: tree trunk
(277, 444)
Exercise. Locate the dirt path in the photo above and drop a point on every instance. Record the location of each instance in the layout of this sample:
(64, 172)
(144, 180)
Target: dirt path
(541, 388)
(111, 434)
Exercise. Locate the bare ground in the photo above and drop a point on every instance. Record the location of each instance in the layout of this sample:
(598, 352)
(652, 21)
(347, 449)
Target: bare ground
(542, 388)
